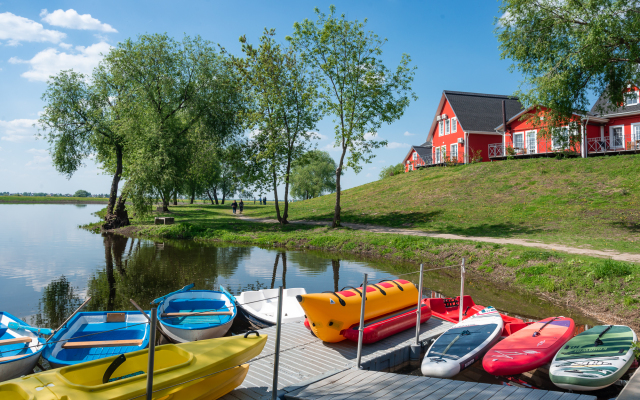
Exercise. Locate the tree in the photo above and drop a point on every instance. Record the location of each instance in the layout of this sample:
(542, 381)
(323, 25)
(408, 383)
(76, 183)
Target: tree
(174, 88)
(566, 50)
(357, 88)
(313, 175)
(81, 193)
(391, 170)
(282, 112)
(82, 116)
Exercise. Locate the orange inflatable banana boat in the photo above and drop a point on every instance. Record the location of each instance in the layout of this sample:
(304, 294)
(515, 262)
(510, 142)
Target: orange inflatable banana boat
(331, 312)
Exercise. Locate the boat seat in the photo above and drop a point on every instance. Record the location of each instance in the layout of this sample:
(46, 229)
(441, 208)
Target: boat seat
(3, 359)
(102, 343)
(252, 299)
(194, 313)
(18, 340)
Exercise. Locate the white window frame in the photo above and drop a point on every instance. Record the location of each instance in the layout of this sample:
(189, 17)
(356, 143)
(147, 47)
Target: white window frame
(454, 154)
(454, 125)
(635, 136)
(437, 154)
(440, 128)
(535, 140)
(554, 145)
(415, 156)
(611, 140)
(626, 103)
(514, 140)
(443, 151)
(447, 125)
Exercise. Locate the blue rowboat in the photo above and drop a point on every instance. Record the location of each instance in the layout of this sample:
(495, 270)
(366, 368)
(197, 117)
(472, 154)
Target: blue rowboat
(93, 335)
(19, 348)
(190, 315)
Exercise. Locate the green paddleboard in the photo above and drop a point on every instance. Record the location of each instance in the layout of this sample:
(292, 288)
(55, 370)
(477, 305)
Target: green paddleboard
(594, 359)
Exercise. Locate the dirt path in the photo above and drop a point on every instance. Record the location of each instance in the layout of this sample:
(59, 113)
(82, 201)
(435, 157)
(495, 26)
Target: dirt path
(631, 257)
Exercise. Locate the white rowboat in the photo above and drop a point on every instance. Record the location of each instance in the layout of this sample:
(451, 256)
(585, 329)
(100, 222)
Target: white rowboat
(260, 307)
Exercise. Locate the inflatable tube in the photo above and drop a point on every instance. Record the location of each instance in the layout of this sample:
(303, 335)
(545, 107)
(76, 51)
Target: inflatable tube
(330, 313)
(389, 324)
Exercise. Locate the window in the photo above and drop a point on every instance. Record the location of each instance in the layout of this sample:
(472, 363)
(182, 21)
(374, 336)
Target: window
(415, 157)
(446, 126)
(440, 129)
(454, 152)
(443, 150)
(532, 143)
(617, 137)
(560, 138)
(631, 98)
(518, 141)
(437, 150)
(454, 125)
(635, 134)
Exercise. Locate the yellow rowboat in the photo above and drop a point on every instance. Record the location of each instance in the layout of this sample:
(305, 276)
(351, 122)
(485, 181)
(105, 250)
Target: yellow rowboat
(331, 312)
(206, 369)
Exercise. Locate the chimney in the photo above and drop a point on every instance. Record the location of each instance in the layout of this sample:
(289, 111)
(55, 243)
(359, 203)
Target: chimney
(504, 116)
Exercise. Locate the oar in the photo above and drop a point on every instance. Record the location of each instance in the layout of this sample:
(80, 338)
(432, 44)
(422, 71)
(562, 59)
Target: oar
(149, 319)
(68, 319)
(184, 289)
(17, 326)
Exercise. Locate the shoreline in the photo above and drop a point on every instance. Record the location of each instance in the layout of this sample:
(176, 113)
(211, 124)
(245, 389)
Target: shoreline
(600, 289)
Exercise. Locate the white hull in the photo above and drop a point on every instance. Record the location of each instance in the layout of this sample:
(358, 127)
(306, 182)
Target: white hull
(18, 367)
(263, 305)
(192, 335)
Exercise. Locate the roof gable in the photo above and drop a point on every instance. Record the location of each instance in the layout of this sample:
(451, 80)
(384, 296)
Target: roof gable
(604, 102)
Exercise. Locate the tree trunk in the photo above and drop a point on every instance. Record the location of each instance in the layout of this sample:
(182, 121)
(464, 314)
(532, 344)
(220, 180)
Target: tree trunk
(215, 195)
(223, 197)
(166, 198)
(111, 280)
(193, 196)
(285, 216)
(210, 198)
(117, 216)
(336, 215)
(275, 271)
(175, 198)
(275, 195)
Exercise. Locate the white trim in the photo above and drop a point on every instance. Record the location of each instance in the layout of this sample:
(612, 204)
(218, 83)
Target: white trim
(635, 137)
(454, 123)
(447, 126)
(451, 147)
(553, 144)
(526, 141)
(440, 128)
(415, 157)
(637, 98)
(611, 141)
(443, 151)
(513, 140)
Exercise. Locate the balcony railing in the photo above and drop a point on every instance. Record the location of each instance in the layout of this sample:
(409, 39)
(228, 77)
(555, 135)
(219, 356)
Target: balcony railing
(497, 150)
(609, 144)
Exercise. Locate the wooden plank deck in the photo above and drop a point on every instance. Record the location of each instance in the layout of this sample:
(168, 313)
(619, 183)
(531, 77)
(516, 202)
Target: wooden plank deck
(305, 358)
(353, 384)
(632, 389)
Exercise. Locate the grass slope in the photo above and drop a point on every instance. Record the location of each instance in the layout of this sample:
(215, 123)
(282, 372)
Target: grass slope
(577, 202)
(604, 289)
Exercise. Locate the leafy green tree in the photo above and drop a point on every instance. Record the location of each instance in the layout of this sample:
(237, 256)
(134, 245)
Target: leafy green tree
(81, 193)
(59, 299)
(82, 116)
(282, 112)
(357, 88)
(313, 175)
(567, 50)
(173, 87)
(391, 170)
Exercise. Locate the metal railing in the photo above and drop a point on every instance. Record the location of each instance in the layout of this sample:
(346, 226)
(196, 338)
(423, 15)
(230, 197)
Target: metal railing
(542, 147)
(613, 143)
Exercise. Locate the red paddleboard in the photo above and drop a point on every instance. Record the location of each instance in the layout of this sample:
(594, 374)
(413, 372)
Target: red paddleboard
(386, 325)
(449, 310)
(530, 347)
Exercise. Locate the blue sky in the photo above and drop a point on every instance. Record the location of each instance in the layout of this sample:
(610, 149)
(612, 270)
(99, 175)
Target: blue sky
(452, 43)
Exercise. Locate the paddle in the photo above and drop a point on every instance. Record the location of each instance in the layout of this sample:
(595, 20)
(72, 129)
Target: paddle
(225, 291)
(70, 316)
(149, 319)
(184, 289)
(17, 326)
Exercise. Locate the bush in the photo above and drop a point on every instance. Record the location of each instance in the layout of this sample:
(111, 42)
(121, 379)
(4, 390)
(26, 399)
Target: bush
(81, 193)
(391, 170)
(611, 269)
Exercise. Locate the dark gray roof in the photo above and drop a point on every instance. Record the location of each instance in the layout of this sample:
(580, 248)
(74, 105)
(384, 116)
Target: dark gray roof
(481, 112)
(424, 151)
(604, 103)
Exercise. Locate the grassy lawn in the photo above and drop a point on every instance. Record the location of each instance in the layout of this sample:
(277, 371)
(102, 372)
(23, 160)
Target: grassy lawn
(47, 199)
(603, 289)
(592, 202)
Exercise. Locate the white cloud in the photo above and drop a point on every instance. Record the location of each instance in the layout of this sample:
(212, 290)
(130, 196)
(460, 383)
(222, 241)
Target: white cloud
(407, 133)
(38, 151)
(396, 145)
(50, 61)
(16, 29)
(329, 147)
(17, 130)
(39, 162)
(319, 136)
(71, 19)
(65, 45)
(369, 136)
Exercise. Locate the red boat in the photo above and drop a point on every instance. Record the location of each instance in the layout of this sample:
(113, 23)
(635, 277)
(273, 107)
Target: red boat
(449, 310)
(386, 325)
(530, 347)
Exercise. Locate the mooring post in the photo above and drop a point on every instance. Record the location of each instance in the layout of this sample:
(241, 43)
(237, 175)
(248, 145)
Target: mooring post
(152, 348)
(461, 290)
(276, 361)
(416, 348)
(361, 328)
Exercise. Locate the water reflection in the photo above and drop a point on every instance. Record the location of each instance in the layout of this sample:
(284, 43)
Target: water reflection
(59, 299)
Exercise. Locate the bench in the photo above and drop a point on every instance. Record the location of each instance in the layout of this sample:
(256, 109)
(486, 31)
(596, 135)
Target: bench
(186, 314)
(23, 339)
(164, 220)
(104, 343)
(3, 359)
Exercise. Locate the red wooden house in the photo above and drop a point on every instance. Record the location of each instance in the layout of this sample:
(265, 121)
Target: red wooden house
(418, 156)
(464, 125)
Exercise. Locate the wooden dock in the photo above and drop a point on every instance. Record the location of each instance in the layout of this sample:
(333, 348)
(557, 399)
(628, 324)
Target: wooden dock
(305, 359)
(353, 384)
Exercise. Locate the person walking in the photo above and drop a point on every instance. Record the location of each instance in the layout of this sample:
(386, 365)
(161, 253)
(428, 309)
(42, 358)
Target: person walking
(241, 206)
(234, 205)
(265, 200)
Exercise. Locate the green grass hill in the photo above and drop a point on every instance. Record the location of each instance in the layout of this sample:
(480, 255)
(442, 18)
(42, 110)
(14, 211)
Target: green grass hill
(592, 202)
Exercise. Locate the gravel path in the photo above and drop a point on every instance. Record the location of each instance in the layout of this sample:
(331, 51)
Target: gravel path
(631, 257)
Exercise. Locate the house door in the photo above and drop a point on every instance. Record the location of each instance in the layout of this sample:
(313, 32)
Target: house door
(617, 138)
(531, 142)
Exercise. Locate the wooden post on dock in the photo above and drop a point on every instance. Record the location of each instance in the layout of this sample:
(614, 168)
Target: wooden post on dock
(416, 348)
(276, 355)
(461, 291)
(361, 328)
(152, 348)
